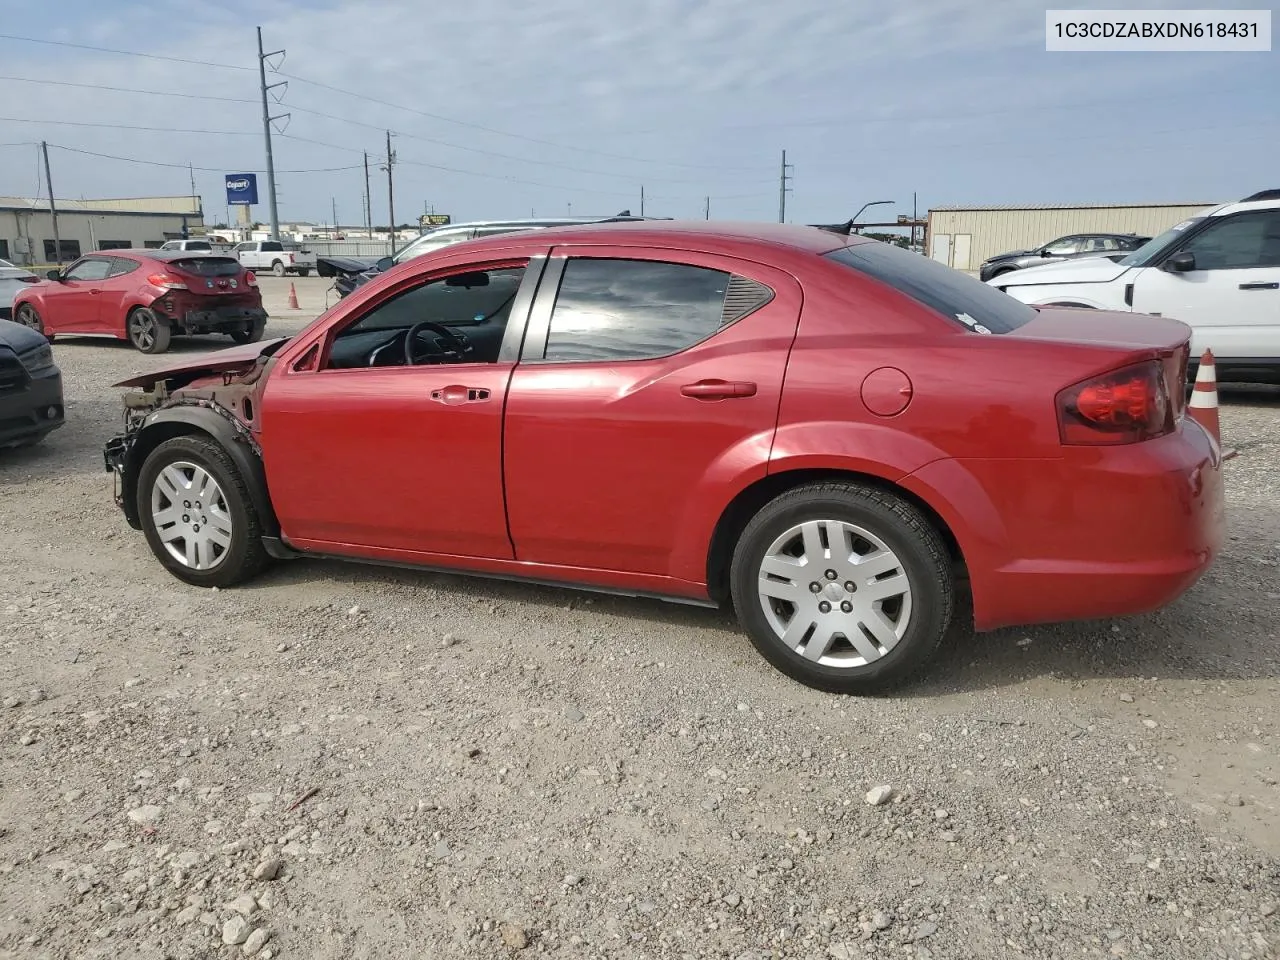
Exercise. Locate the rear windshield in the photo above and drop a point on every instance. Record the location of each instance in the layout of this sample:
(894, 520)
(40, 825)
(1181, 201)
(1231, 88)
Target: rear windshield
(210, 266)
(955, 295)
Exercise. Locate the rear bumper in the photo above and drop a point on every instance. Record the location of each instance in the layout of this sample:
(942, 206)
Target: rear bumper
(31, 411)
(1099, 533)
(218, 320)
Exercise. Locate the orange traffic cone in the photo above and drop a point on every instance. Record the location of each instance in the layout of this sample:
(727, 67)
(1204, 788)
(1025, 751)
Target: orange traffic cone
(1203, 405)
(293, 301)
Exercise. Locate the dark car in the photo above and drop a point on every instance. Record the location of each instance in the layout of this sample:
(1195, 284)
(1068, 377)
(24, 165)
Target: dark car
(145, 297)
(770, 416)
(30, 386)
(352, 272)
(1076, 245)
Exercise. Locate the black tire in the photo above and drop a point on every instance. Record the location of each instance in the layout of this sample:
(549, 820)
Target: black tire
(148, 332)
(277, 268)
(903, 529)
(304, 272)
(27, 316)
(252, 335)
(245, 557)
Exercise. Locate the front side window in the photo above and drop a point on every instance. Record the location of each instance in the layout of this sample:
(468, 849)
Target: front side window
(461, 318)
(637, 309)
(951, 293)
(1150, 251)
(1063, 247)
(1242, 242)
(92, 269)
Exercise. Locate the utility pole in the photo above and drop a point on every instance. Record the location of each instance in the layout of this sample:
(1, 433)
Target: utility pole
(783, 189)
(706, 208)
(53, 207)
(913, 221)
(334, 202)
(368, 200)
(642, 199)
(391, 194)
(191, 170)
(266, 131)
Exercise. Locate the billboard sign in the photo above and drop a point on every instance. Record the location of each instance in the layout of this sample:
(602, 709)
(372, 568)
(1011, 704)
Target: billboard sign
(242, 188)
(434, 220)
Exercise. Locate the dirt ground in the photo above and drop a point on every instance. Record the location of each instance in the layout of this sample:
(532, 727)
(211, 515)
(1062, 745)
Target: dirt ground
(339, 761)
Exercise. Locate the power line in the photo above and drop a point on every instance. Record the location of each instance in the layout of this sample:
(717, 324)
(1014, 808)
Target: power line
(185, 166)
(125, 126)
(151, 93)
(124, 53)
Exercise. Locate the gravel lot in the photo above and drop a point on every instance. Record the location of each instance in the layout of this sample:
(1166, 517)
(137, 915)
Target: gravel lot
(492, 769)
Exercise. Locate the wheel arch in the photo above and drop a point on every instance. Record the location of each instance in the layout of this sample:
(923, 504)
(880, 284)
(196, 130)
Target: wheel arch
(205, 420)
(739, 511)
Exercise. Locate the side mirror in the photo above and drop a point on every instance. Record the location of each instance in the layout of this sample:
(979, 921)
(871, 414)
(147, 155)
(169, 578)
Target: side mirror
(1182, 262)
(54, 274)
(386, 263)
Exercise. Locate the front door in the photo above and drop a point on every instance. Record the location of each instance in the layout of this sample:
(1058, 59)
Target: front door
(1231, 299)
(74, 305)
(649, 379)
(387, 441)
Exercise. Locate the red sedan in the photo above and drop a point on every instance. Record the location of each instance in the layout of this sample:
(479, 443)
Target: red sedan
(832, 434)
(146, 297)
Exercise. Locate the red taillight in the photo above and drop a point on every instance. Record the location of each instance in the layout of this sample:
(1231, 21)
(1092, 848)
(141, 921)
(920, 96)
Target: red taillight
(166, 281)
(1124, 406)
(249, 279)
(291, 260)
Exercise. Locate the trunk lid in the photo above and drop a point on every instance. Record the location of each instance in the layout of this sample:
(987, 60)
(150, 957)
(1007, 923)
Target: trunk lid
(213, 276)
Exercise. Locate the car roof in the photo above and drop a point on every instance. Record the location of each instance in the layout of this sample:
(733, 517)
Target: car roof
(165, 256)
(694, 232)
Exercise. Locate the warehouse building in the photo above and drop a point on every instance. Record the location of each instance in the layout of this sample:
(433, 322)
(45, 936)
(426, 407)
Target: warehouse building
(963, 237)
(26, 226)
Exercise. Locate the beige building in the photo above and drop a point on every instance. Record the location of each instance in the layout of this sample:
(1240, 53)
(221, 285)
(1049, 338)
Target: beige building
(962, 237)
(26, 227)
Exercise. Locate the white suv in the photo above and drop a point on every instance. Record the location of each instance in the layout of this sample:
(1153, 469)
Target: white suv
(1218, 272)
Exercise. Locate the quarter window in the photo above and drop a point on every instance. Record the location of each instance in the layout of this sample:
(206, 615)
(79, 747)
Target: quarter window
(641, 309)
(1242, 242)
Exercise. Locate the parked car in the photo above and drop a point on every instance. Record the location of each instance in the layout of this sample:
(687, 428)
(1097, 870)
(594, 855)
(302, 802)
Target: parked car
(277, 256)
(1075, 246)
(145, 297)
(351, 273)
(12, 280)
(30, 387)
(197, 246)
(770, 415)
(1218, 272)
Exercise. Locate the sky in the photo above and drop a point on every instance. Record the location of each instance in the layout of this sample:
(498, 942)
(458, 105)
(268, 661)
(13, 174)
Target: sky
(501, 109)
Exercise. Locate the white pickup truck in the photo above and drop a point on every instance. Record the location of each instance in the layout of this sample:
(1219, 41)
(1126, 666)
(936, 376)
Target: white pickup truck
(197, 246)
(276, 256)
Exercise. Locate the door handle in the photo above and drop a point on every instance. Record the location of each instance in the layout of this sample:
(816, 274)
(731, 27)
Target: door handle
(457, 393)
(1274, 285)
(94, 290)
(718, 389)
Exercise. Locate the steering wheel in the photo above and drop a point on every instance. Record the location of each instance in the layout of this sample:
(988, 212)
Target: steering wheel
(451, 344)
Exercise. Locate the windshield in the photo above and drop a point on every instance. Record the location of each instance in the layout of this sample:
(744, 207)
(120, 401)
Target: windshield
(955, 295)
(1152, 249)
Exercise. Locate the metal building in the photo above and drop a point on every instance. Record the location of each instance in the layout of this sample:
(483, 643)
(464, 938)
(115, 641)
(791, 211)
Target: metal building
(26, 227)
(962, 237)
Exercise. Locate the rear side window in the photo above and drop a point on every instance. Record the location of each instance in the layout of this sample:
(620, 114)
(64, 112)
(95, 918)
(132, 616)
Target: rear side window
(642, 309)
(272, 247)
(957, 296)
(209, 266)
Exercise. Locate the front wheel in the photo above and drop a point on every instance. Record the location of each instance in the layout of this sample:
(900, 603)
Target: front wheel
(277, 269)
(27, 316)
(843, 587)
(147, 332)
(197, 513)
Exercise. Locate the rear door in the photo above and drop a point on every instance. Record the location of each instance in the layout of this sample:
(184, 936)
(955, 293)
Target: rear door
(121, 281)
(73, 305)
(1232, 299)
(648, 377)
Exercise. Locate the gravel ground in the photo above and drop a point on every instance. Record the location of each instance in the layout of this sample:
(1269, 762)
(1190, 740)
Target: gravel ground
(340, 761)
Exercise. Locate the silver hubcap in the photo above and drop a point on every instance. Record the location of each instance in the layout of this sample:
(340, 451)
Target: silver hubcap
(191, 516)
(835, 593)
(143, 329)
(27, 317)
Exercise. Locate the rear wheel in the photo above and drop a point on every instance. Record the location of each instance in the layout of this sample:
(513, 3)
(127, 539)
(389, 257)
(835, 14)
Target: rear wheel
(277, 268)
(197, 514)
(304, 272)
(27, 316)
(843, 587)
(251, 335)
(147, 332)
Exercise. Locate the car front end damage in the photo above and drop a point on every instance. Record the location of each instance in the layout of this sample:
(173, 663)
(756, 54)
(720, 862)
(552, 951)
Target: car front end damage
(216, 395)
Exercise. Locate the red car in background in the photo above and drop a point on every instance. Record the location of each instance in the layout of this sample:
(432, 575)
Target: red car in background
(832, 434)
(146, 297)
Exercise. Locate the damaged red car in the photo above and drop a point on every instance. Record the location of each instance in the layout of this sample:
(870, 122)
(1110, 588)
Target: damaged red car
(835, 436)
(146, 297)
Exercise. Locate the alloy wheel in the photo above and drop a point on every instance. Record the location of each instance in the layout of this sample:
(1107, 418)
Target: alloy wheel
(142, 330)
(190, 515)
(834, 593)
